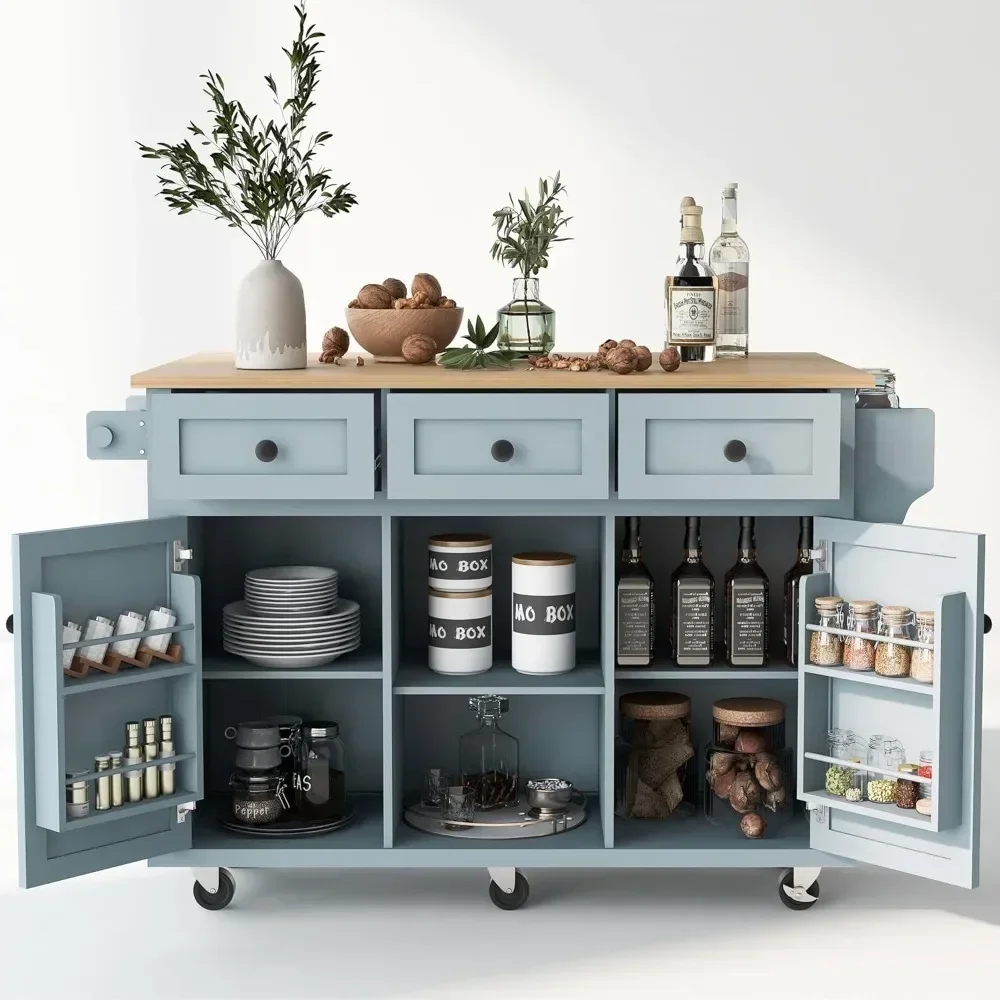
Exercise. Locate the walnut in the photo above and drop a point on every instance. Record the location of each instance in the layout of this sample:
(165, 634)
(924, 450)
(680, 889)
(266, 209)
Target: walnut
(744, 796)
(428, 285)
(336, 341)
(722, 783)
(602, 351)
(621, 360)
(753, 825)
(768, 775)
(418, 349)
(627, 343)
(374, 297)
(775, 800)
(395, 287)
(329, 358)
(721, 762)
(354, 304)
(751, 741)
(670, 359)
(540, 361)
(728, 733)
(560, 364)
(644, 358)
(447, 303)
(361, 362)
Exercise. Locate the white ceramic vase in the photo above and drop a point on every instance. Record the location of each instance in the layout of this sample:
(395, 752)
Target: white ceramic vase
(270, 319)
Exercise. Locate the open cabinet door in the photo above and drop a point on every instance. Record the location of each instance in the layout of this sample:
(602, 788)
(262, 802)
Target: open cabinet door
(63, 722)
(922, 569)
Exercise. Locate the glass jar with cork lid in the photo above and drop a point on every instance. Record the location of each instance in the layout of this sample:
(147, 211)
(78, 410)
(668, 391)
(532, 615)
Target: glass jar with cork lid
(653, 779)
(859, 653)
(892, 659)
(826, 649)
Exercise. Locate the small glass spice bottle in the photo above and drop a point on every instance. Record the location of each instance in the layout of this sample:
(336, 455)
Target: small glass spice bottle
(825, 648)
(859, 653)
(117, 780)
(906, 793)
(102, 762)
(922, 660)
(891, 658)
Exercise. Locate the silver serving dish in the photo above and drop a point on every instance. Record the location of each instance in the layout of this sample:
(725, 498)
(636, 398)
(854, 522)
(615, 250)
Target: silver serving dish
(549, 800)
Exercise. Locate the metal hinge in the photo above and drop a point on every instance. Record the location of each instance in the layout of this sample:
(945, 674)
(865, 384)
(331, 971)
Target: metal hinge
(818, 812)
(181, 556)
(820, 557)
(183, 809)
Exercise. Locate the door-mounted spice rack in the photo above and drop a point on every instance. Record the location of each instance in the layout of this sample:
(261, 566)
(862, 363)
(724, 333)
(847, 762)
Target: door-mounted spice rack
(80, 665)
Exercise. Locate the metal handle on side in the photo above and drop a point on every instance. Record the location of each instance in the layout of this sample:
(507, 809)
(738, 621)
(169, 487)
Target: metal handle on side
(735, 450)
(266, 451)
(502, 451)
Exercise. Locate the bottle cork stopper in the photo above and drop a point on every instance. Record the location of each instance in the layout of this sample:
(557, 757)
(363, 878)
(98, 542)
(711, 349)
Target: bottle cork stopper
(691, 231)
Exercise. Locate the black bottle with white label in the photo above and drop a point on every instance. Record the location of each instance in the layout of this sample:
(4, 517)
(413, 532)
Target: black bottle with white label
(746, 604)
(636, 612)
(692, 604)
(803, 567)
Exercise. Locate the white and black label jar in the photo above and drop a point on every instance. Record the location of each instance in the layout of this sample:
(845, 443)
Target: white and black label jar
(460, 632)
(460, 562)
(543, 612)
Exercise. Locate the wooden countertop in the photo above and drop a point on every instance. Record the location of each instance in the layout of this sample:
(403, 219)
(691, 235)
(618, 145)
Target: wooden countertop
(759, 371)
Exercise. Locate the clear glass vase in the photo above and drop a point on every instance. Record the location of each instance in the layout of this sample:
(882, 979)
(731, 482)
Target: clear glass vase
(527, 325)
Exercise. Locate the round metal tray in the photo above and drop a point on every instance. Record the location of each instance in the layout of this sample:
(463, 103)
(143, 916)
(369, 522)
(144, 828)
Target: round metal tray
(515, 822)
(287, 826)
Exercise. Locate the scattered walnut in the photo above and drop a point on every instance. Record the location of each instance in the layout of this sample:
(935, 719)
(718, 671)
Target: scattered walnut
(621, 360)
(627, 343)
(418, 349)
(428, 285)
(329, 358)
(361, 362)
(395, 287)
(670, 359)
(354, 304)
(644, 358)
(374, 297)
(602, 352)
(336, 341)
(447, 303)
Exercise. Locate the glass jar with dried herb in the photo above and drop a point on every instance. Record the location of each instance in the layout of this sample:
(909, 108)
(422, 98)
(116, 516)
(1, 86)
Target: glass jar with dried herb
(826, 649)
(859, 653)
(892, 659)
(922, 658)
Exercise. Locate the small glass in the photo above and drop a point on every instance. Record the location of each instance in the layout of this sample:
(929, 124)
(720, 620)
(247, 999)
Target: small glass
(893, 659)
(458, 807)
(859, 653)
(922, 660)
(886, 753)
(825, 648)
(882, 395)
(436, 785)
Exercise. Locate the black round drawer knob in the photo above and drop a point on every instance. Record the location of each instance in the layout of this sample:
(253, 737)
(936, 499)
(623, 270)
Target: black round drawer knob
(502, 451)
(987, 624)
(735, 450)
(10, 624)
(266, 451)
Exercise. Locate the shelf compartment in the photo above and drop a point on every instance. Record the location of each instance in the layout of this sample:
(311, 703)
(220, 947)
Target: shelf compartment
(130, 809)
(586, 678)
(870, 677)
(886, 812)
(359, 665)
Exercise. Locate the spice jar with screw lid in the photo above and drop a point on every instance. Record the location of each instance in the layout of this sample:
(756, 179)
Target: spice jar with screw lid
(859, 653)
(922, 658)
(77, 796)
(891, 658)
(826, 649)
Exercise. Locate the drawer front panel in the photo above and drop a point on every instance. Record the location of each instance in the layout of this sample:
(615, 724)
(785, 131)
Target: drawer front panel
(498, 446)
(259, 446)
(738, 446)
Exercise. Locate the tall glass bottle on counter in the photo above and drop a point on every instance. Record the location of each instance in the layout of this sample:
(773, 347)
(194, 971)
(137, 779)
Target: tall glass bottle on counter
(746, 604)
(690, 292)
(729, 260)
(488, 756)
(636, 608)
(803, 567)
(692, 604)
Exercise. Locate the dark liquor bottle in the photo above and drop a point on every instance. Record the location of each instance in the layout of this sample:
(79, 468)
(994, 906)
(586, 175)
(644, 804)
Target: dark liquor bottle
(746, 604)
(692, 604)
(690, 292)
(636, 609)
(803, 567)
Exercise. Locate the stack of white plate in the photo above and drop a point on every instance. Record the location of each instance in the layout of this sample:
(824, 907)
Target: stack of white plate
(295, 618)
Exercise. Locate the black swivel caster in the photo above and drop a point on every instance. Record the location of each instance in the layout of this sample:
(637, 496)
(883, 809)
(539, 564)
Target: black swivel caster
(796, 898)
(219, 899)
(510, 900)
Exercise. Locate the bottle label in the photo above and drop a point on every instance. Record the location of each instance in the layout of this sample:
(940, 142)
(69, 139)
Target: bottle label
(470, 633)
(455, 567)
(532, 615)
(690, 315)
(694, 621)
(635, 621)
(749, 613)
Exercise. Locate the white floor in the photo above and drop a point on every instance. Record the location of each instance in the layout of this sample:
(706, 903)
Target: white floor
(136, 933)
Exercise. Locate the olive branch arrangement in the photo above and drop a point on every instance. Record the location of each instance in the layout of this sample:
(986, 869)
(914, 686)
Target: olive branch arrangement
(526, 231)
(259, 177)
(479, 354)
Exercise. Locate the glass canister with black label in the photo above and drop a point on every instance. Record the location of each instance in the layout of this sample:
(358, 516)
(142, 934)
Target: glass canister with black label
(543, 612)
(320, 784)
(460, 562)
(460, 632)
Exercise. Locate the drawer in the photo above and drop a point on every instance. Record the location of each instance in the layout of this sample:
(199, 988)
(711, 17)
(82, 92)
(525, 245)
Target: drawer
(729, 446)
(262, 446)
(498, 446)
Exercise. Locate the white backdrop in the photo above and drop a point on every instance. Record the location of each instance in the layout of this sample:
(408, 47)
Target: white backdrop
(861, 134)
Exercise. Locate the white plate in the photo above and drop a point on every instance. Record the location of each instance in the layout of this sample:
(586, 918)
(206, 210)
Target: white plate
(292, 574)
(297, 651)
(238, 628)
(291, 662)
(317, 588)
(350, 642)
(345, 608)
(327, 642)
(284, 610)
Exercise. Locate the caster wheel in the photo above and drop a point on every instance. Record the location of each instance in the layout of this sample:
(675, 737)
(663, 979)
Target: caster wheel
(510, 900)
(219, 899)
(801, 899)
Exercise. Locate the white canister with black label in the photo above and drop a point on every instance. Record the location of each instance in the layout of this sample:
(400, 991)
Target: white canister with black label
(460, 562)
(543, 612)
(460, 632)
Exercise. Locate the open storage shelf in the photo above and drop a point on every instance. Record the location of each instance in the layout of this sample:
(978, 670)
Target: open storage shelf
(660, 671)
(870, 677)
(586, 678)
(359, 665)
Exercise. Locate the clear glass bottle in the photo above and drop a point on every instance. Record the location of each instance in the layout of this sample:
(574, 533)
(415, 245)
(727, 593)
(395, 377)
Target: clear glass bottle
(636, 611)
(891, 658)
(692, 604)
(803, 567)
(729, 260)
(826, 649)
(527, 325)
(882, 395)
(746, 604)
(690, 292)
(488, 756)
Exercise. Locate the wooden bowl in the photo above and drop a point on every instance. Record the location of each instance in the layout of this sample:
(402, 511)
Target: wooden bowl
(381, 332)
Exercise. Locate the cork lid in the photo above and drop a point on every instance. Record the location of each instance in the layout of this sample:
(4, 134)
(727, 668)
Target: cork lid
(543, 559)
(748, 711)
(896, 612)
(654, 705)
(459, 595)
(828, 603)
(459, 540)
(925, 617)
(864, 607)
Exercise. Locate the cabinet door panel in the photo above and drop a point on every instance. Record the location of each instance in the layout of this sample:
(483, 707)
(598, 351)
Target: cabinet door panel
(920, 568)
(76, 574)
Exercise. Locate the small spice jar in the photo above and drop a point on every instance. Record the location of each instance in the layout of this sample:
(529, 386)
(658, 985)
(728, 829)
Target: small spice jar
(891, 658)
(749, 725)
(841, 744)
(543, 612)
(258, 798)
(320, 782)
(460, 562)
(859, 653)
(460, 632)
(77, 796)
(653, 780)
(925, 769)
(885, 753)
(906, 794)
(825, 648)
(921, 659)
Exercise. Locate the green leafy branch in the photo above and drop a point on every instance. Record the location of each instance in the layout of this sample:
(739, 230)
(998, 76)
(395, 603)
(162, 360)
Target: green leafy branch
(526, 231)
(479, 354)
(258, 177)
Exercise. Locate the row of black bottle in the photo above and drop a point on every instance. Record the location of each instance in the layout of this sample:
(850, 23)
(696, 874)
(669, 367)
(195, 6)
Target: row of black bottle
(692, 602)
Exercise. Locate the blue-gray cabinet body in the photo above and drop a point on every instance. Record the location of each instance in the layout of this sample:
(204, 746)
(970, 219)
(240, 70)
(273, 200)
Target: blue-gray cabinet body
(359, 478)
